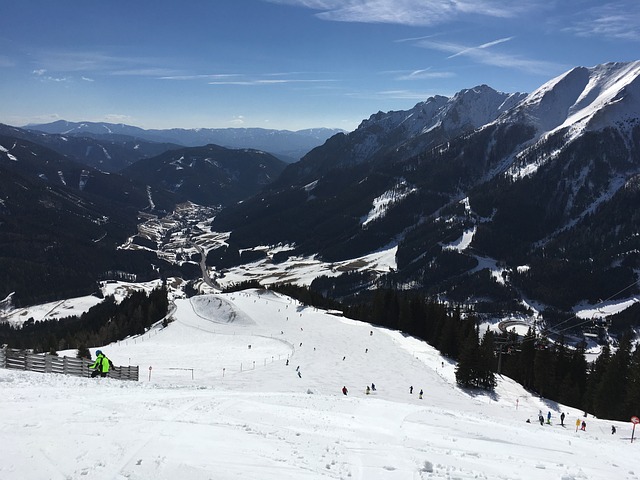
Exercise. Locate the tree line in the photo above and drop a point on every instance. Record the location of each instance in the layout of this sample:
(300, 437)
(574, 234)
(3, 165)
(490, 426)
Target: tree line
(104, 323)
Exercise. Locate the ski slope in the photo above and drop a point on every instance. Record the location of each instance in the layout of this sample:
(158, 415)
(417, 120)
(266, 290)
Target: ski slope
(217, 400)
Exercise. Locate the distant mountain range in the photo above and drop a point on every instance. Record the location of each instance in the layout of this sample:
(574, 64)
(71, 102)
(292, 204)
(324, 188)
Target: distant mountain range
(509, 202)
(287, 145)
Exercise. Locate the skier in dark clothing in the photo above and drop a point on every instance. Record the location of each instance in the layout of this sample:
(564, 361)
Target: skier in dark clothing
(562, 419)
(344, 390)
(411, 389)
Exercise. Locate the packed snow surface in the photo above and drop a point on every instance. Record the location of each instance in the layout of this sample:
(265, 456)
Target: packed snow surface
(217, 399)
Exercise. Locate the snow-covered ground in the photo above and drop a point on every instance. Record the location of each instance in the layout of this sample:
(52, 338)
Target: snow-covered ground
(75, 306)
(217, 400)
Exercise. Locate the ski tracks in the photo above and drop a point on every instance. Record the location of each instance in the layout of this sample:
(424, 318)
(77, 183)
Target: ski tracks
(123, 470)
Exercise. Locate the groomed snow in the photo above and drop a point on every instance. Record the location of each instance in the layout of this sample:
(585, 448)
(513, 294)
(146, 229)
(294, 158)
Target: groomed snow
(247, 414)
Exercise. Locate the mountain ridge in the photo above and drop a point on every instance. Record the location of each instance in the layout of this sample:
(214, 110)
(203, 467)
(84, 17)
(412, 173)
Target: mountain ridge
(286, 144)
(536, 179)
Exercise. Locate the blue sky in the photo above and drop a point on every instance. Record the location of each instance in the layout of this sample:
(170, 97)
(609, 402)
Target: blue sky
(287, 64)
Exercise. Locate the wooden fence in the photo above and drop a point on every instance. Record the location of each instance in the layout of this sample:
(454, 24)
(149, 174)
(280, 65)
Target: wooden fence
(45, 363)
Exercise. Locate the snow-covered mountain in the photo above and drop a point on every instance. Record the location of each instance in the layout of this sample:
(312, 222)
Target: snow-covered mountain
(584, 99)
(220, 397)
(404, 134)
(547, 181)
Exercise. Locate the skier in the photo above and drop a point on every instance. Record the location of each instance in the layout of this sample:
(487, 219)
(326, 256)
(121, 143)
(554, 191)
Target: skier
(420, 396)
(411, 389)
(584, 425)
(541, 419)
(368, 391)
(613, 429)
(562, 419)
(344, 390)
(101, 365)
(373, 387)
(549, 417)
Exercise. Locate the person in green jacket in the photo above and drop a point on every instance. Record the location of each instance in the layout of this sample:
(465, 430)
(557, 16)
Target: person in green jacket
(101, 365)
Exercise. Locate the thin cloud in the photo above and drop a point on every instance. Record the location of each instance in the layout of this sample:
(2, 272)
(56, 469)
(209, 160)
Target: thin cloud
(479, 47)
(420, 74)
(408, 12)
(487, 57)
(267, 79)
(99, 62)
(144, 72)
(41, 73)
(201, 76)
(249, 79)
(392, 95)
(617, 20)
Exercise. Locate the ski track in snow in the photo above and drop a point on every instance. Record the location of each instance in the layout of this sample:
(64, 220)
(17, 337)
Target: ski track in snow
(247, 414)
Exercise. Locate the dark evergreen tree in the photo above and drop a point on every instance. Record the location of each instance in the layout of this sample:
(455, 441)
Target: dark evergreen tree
(83, 352)
(594, 379)
(466, 370)
(526, 360)
(610, 391)
(631, 403)
(486, 362)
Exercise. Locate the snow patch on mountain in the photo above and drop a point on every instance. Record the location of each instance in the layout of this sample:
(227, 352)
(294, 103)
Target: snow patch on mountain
(385, 201)
(6, 151)
(462, 243)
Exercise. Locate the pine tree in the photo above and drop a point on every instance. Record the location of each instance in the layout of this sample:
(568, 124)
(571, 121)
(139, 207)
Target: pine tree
(631, 403)
(83, 352)
(596, 373)
(466, 374)
(486, 362)
(610, 392)
(526, 360)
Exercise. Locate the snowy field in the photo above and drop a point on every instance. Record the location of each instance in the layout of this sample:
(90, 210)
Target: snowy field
(217, 400)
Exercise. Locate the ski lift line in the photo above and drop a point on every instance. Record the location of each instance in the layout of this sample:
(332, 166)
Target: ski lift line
(598, 308)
